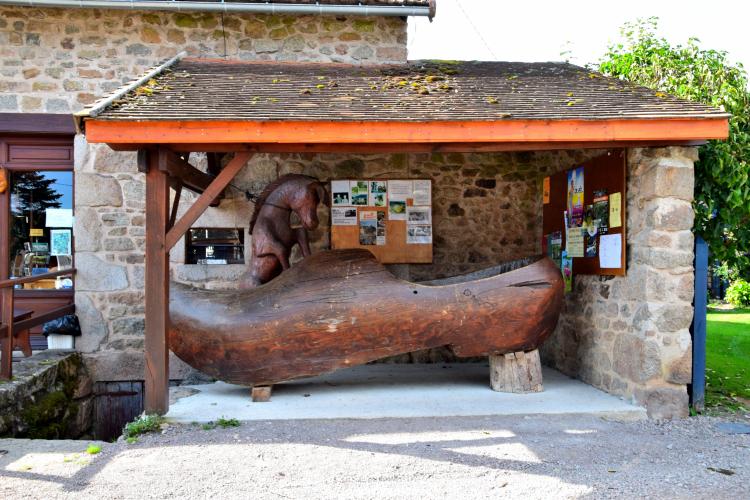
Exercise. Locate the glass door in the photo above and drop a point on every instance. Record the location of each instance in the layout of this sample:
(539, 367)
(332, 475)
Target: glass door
(41, 226)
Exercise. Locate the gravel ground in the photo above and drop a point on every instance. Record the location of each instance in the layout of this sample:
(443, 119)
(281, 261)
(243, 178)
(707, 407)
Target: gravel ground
(532, 457)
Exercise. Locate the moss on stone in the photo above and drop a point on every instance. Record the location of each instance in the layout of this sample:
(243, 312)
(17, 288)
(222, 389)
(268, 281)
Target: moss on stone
(364, 25)
(151, 18)
(185, 21)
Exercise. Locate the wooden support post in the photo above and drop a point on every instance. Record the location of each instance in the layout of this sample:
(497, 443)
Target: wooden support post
(517, 372)
(6, 341)
(157, 287)
(261, 393)
(6, 368)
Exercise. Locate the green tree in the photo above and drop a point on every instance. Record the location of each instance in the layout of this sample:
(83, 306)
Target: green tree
(722, 187)
(33, 194)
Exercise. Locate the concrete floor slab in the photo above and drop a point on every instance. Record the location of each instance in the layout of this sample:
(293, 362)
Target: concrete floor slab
(397, 391)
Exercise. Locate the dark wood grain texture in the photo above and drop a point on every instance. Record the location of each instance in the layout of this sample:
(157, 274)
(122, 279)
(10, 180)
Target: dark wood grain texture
(342, 308)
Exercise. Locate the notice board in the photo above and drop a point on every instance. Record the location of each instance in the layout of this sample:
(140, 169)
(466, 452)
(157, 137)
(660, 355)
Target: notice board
(602, 177)
(392, 218)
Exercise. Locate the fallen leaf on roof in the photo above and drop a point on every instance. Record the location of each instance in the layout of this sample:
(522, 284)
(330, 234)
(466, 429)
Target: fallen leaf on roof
(492, 100)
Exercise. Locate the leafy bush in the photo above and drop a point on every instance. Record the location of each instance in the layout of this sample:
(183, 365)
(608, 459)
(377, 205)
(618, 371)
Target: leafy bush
(738, 293)
(142, 425)
(722, 183)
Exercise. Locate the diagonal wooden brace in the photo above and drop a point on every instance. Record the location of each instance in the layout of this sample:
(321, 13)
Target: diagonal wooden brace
(204, 201)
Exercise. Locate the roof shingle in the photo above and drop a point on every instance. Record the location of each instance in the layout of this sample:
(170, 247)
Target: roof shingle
(196, 89)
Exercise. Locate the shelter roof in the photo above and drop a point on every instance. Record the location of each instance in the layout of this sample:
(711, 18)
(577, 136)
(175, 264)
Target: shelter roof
(195, 89)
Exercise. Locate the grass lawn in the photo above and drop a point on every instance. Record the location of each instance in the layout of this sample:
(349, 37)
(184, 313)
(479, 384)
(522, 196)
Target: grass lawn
(728, 358)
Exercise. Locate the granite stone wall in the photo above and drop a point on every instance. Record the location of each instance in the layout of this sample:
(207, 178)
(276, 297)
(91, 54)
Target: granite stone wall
(629, 335)
(59, 60)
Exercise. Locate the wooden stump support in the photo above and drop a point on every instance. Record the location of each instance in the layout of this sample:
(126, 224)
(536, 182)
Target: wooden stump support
(261, 393)
(517, 372)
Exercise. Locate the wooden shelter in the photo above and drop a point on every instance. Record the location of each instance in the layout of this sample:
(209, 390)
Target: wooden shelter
(225, 107)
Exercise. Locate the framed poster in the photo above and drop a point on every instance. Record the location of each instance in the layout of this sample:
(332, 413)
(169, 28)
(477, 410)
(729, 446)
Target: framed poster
(60, 243)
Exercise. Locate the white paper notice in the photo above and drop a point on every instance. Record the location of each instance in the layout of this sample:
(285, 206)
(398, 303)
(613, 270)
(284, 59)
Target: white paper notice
(418, 235)
(340, 193)
(343, 216)
(59, 217)
(418, 215)
(422, 192)
(610, 251)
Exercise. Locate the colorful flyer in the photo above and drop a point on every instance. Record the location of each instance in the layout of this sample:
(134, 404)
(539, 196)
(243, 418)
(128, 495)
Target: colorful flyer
(340, 193)
(566, 267)
(590, 246)
(590, 225)
(575, 196)
(378, 193)
(419, 215)
(358, 193)
(418, 235)
(398, 193)
(368, 223)
(422, 193)
(554, 247)
(545, 190)
(601, 210)
(615, 210)
(380, 234)
(574, 242)
(343, 216)
(60, 242)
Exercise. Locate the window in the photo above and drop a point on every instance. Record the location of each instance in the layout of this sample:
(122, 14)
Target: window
(211, 245)
(41, 225)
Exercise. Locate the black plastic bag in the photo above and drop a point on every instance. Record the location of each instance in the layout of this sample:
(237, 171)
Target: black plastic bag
(64, 325)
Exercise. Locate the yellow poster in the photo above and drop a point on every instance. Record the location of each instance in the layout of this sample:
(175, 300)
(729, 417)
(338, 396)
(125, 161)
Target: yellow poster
(3, 180)
(615, 210)
(545, 190)
(36, 232)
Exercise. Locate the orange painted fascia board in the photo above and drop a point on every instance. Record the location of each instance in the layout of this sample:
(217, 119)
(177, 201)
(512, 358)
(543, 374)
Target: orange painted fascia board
(312, 132)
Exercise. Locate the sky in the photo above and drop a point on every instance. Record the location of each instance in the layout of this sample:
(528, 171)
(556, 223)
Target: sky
(539, 30)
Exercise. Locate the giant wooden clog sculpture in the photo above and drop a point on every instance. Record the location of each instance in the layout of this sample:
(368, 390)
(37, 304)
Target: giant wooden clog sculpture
(342, 308)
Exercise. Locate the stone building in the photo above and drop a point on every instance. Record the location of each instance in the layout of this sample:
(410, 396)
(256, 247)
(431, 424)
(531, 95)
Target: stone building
(628, 335)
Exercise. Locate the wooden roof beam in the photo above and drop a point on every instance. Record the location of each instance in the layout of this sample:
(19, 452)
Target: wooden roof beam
(285, 133)
(393, 148)
(183, 173)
